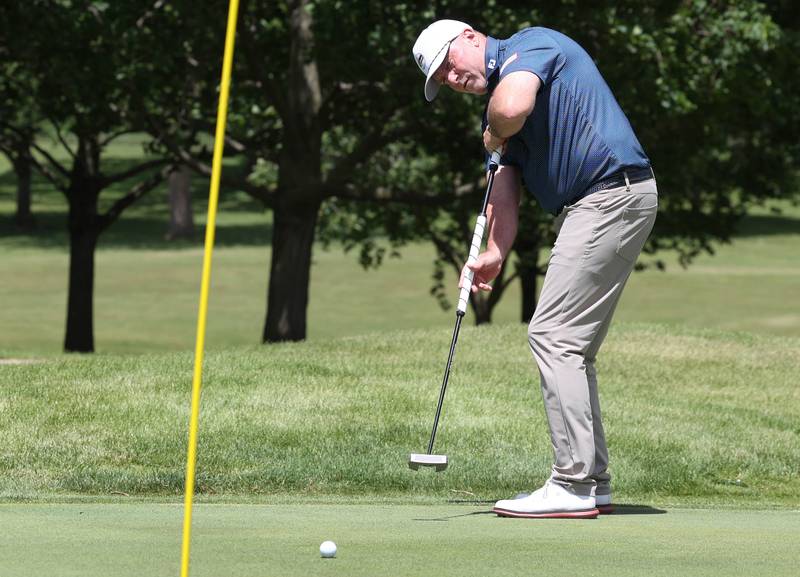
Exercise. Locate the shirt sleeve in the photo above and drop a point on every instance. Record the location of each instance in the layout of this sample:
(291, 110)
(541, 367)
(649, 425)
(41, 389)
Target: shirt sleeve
(534, 52)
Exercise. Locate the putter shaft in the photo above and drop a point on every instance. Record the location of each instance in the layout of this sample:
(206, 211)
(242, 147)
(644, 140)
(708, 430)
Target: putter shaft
(459, 318)
(477, 239)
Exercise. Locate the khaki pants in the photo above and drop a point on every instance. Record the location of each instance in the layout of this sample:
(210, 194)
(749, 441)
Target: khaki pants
(599, 239)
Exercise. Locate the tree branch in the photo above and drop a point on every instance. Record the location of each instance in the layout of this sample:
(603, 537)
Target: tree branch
(266, 196)
(135, 194)
(126, 174)
(189, 160)
(49, 175)
(149, 13)
(236, 145)
(344, 169)
(61, 139)
(114, 135)
(53, 162)
(447, 252)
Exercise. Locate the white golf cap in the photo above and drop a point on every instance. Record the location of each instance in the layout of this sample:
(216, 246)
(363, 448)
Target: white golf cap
(431, 48)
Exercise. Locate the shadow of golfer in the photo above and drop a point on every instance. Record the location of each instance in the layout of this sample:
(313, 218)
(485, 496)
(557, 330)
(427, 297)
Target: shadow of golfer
(464, 502)
(621, 509)
(631, 509)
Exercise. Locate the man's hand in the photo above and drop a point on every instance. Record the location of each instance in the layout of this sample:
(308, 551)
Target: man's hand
(486, 269)
(492, 142)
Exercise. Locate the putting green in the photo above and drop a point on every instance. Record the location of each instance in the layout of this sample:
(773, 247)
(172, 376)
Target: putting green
(138, 539)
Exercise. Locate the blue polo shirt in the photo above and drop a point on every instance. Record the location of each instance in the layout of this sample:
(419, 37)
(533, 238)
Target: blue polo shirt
(577, 133)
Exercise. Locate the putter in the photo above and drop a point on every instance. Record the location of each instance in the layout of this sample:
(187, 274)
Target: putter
(439, 462)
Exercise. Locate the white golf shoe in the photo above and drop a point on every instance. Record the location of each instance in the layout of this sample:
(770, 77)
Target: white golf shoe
(550, 502)
(603, 503)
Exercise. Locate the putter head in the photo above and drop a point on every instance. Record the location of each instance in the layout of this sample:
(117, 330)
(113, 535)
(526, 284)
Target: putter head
(417, 460)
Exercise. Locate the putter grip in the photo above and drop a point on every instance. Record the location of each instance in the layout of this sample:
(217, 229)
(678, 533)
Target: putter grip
(494, 160)
(474, 250)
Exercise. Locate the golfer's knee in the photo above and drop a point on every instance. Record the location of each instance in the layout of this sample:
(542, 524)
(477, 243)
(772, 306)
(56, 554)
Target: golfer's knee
(547, 341)
(540, 338)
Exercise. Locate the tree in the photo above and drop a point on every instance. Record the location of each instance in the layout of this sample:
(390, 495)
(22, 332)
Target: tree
(305, 126)
(179, 191)
(18, 130)
(88, 87)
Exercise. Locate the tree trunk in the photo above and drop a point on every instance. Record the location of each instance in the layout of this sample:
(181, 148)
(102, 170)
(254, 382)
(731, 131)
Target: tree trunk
(22, 168)
(527, 251)
(290, 271)
(80, 309)
(482, 307)
(181, 222)
(84, 229)
(527, 278)
(299, 176)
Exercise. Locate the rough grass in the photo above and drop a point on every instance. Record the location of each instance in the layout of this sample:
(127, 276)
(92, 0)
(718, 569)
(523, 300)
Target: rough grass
(691, 416)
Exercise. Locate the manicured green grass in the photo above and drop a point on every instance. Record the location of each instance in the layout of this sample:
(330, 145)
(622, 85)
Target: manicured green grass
(376, 540)
(703, 415)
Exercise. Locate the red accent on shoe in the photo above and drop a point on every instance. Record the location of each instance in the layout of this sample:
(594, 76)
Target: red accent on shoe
(605, 509)
(587, 514)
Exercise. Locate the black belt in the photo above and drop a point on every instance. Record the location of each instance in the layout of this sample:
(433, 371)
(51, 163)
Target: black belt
(617, 180)
(635, 176)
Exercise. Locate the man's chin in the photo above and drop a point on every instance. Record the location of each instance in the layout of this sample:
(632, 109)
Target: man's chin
(470, 88)
(477, 90)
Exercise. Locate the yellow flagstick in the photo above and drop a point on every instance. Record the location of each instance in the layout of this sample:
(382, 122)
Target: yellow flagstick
(216, 170)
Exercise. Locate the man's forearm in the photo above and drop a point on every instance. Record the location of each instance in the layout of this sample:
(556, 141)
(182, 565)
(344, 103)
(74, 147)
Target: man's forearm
(502, 229)
(502, 126)
(503, 211)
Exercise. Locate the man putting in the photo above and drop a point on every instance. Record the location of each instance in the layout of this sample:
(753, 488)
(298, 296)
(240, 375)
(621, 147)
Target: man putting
(565, 137)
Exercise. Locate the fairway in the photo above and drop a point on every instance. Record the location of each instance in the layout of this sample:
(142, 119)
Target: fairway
(93, 540)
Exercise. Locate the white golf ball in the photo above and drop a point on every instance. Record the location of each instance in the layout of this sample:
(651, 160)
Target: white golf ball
(327, 549)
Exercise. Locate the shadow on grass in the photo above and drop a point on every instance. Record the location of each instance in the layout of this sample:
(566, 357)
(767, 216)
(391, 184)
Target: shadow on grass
(623, 509)
(448, 517)
(133, 232)
(629, 509)
(766, 225)
(242, 220)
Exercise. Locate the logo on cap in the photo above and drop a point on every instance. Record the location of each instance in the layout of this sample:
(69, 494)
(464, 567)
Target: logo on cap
(420, 60)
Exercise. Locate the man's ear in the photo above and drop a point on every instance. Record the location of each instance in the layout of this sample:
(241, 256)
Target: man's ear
(471, 37)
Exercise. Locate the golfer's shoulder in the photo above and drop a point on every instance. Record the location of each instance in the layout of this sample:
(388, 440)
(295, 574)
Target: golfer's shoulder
(535, 50)
(535, 37)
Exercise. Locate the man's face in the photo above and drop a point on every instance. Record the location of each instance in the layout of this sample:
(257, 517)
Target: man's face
(463, 68)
